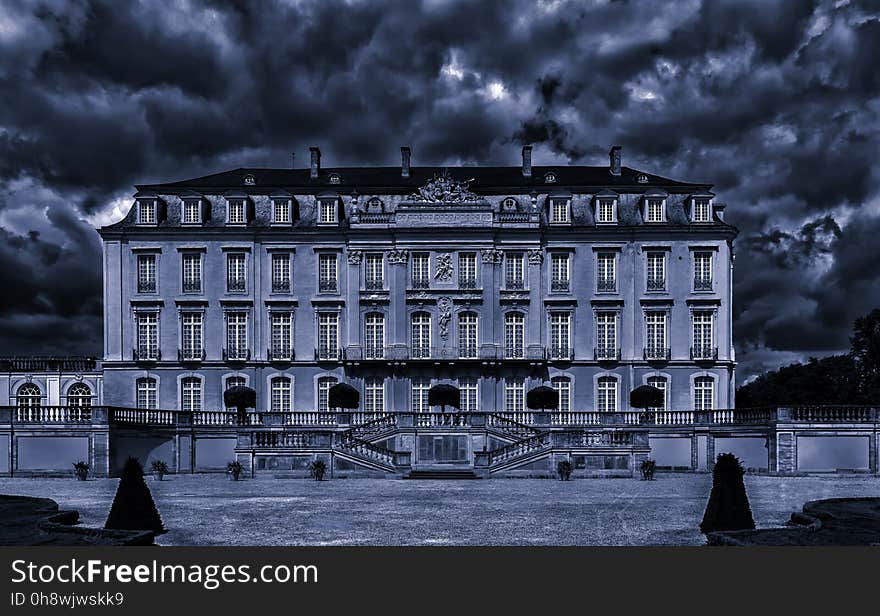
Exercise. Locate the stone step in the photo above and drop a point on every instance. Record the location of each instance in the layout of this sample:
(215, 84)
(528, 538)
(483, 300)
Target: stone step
(459, 473)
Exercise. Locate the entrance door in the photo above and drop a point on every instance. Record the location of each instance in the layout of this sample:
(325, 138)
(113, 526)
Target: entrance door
(443, 449)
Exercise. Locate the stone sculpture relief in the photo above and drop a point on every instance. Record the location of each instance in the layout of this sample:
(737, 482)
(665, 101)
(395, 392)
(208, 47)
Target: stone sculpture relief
(398, 257)
(444, 305)
(444, 267)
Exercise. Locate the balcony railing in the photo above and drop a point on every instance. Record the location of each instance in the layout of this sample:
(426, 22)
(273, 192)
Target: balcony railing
(514, 352)
(236, 285)
(657, 353)
(146, 286)
(44, 364)
(560, 352)
(146, 354)
(470, 351)
(606, 285)
(656, 284)
(704, 352)
(374, 352)
(606, 353)
(52, 414)
(192, 286)
(559, 285)
(418, 282)
(236, 354)
(467, 283)
(280, 354)
(280, 286)
(374, 284)
(376, 218)
(702, 283)
(190, 354)
(328, 353)
(514, 284)
(327, 285)
(420, 352)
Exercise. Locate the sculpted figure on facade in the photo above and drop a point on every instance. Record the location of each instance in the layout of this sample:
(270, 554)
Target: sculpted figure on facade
(398, 257)
(442, 188)
(492, 255)
(444, 305)
(444, 267)
(355, 257)
(536, 257)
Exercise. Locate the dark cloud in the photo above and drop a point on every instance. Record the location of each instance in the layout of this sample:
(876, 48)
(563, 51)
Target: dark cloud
(774, 102)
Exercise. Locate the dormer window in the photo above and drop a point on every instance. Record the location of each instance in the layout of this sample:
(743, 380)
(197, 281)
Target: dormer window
(642, 178)
(334, 178)
(550, 178)
(281, 211)
(249, 180)
(655, 209)
(560, 211)
(606, 211)
(327, 213)
(237, 212)
(701, 209)
(147, 212)
(508, 205)
(192, 211)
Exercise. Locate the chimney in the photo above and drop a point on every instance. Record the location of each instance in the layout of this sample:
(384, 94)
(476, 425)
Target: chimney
(527, 161)
(316, 161)
(614, 156)
(405, 155)
(293, 160)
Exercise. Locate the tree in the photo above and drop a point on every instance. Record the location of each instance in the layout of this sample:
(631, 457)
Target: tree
(865, 352)
(646, 396)
(444, 395)
(241, 398)
(542, 398)
(343, 396)
(830, 380)
(728, 506)
(133, 507)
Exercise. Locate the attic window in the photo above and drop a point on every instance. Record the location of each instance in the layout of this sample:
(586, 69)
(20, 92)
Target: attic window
(550, 178)
(236, 214)
(509, 204)
(334, 178)
(147, 212)
(375, 205)
(281, 211)
(249, 180)
(642, 178)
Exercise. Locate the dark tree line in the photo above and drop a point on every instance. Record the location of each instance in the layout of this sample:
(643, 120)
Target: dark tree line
(853, 378)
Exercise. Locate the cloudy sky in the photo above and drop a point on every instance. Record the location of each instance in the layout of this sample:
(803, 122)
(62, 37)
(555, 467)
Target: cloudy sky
(774, 102)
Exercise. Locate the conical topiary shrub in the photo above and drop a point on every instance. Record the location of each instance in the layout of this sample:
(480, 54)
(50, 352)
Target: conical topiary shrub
(728, 506)
(133, 507)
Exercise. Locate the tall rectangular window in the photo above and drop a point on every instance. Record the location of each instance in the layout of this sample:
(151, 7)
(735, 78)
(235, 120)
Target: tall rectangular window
(606, 276)
(236, 272)
(702, 210)
(146, 274)
(562, 385)
(236, 212)
(147, 212)
(192, 212)
(514, 270)
(606, 211)
(281, 394)
(236, 335)
(191, 331)
(280, 211)
(328, 335)
(374, 395)
(191, 394)
(327, 280)
(467, 270)
(659, 382)
(469, 394)
(281, 272)
(282, 335)
(467, 335)
(324, 385)
(606, 335)
(702, 335)
(420, 387)
(420, 335)
(374, 271)
(559, 272)
(421, 275)
(559, 211)
(192, 272)
(655, 335)
(704, 393)
(147, 394)
(374, 336)
(514, 335)
(656, 270)
(148, 335)
(328, 211)
(514, 395)
(560, 335)
(702, 271)
(654, 210)
(606, 394)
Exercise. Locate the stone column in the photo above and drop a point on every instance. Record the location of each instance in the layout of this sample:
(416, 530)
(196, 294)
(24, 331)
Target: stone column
(534, 328)
(710, 452)
(352, 301)
(786, 453)
(396, 331)
(100, 442)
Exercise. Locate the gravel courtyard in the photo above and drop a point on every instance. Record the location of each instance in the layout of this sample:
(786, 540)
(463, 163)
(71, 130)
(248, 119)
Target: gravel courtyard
(211, 510)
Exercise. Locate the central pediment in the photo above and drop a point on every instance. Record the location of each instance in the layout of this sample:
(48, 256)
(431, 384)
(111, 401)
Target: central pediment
(443, 189)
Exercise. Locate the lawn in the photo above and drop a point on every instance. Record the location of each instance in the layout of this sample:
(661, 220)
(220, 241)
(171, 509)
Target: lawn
(211, 510)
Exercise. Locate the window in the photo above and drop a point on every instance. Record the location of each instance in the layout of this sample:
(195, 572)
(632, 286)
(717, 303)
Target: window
(146, 274)
(514, 268)
(327, 273)
(421, 276)
(562, 385)
(702, 325)
(701, 210)
(234, 381)
(327, 211)
(29, 396)
(191, 334)
(192, 273)
(655, 335)
(467, 270)
(420, 335)
(191, 394)
(324, 385)
(606, 278)
(560, 335)
(606, 394)
(514, 395)
(282, 336)
(147, 335)
(656, 271)
(236, 336)
(655, 210)
(147, 393)
(704, 393)
(559, 211)
(280, 394)
(334, 178)
(79, 396)
(147, 212)
(281, 272)
(374, 336)
(467, 335)
(328, 335)
(374, 273)
(420, 387)
(470, 398)
(236, 272)
(236, 212)
(374, 395)
(514, 335)
(550, 178)
(559, 272)
(281, 211)
(606, 211)
(659, 382)
(606, 335)
(192, 211)
(702, 271)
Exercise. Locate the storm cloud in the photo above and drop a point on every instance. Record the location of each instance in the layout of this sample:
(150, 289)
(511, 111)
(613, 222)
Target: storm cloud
(774, 102)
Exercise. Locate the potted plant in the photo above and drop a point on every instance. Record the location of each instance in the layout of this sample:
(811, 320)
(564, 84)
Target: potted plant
(317, 469)
(81, 470)
(234, 469)
(160, 469)
(647, 468)
(563, 469)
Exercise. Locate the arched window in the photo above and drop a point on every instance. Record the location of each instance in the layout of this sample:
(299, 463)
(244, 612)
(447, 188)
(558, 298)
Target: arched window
(514, 335)
(234, 381)
(191, 394)
(375, 205)
(704, 393)
(562, 385)
(467, 335)
(147, 394)
(660, 383)
(280, 394)
(79, 395)
(606, 394)
(420, 338)
(374, 335)
(29, 396)
(324, 385)
(508, 205)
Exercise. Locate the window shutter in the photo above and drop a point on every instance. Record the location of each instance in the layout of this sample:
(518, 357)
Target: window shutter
(249, 208)
(161, 211)
(206, 210)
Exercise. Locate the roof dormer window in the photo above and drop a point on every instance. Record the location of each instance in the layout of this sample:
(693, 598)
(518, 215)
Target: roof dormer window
(334, 178)
(642, 178)
(327, 212)
(237, 212)
(249, 180)
(508, 205)
(147, 212)
(560, 211)
(701, 209)
(550, 177)
(606, 210)
(281, 211)
(655, 209)
(192, 211)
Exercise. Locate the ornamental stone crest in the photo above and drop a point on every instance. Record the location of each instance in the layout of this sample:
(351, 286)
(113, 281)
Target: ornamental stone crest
(398, 257)
(442, 188)
(444, 304)
(354, 257)
(444, 267)
(492, 255)
(536, 257)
